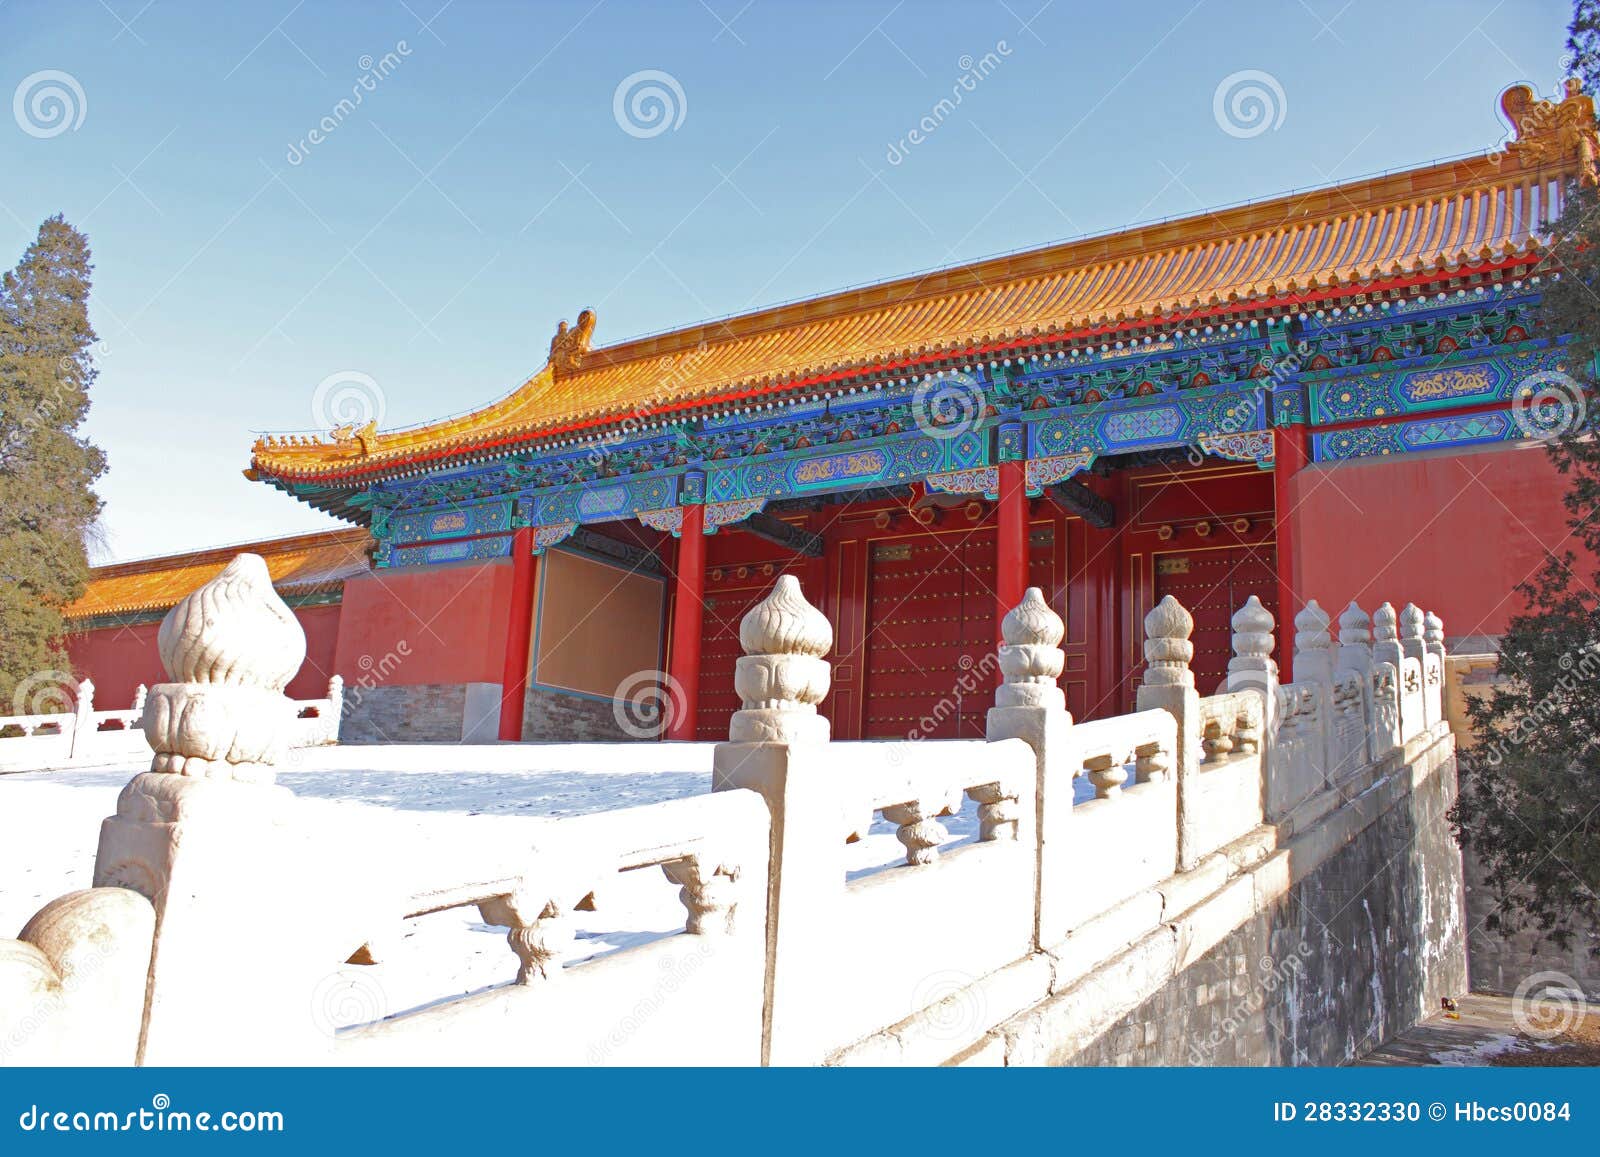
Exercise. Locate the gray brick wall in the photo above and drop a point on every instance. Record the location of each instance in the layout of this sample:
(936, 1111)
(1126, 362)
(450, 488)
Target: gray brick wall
(1499, 963)
(432, 713)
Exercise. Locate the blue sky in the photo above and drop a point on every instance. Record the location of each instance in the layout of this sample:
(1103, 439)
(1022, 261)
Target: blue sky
(484, 187)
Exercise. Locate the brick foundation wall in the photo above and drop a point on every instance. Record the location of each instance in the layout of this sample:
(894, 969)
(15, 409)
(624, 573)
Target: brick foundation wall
(1352, 955)
(432, 713)
(424, 713)
(556, 717)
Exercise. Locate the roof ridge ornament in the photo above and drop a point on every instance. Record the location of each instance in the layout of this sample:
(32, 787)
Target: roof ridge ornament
(569, 346)
(1551, 130)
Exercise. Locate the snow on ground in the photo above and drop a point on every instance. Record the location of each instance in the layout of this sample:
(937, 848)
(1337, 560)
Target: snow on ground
(428, 813)
(1480, 1054)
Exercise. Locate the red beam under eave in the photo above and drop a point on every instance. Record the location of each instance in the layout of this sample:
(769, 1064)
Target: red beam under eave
(977, 352)
(519, 629)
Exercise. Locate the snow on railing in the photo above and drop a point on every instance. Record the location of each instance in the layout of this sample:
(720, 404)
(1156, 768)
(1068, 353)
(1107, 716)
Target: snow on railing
(84, 733)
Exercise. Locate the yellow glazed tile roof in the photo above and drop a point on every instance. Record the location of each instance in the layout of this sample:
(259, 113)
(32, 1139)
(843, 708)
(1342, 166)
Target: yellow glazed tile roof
(1474, 213)
(298, 565)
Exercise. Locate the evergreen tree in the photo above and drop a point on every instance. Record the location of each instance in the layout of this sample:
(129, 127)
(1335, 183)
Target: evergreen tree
(1529, 808)
(47, 471)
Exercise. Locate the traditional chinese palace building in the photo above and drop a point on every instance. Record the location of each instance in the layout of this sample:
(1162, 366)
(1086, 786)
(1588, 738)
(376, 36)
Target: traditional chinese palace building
(1333, 391)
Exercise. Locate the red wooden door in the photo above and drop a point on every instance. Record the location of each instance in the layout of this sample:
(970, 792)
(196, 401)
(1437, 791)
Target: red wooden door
(932, 634)
(919, 596)
(1212, 583)
(719, 649)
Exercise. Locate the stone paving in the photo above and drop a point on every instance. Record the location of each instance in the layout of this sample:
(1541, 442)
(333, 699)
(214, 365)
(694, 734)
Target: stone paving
(1485, 1033)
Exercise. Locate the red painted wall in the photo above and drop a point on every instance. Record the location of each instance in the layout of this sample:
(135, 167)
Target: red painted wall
(118, 659)
(1454, 532)
(452, 620)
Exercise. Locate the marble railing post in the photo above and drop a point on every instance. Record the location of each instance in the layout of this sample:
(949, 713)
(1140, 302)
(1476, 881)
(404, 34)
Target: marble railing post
(246, 916)
(1386, 636)
(1252, 667)
(1030, 706)
(1169, 684)
(778, 746)
(82, 718)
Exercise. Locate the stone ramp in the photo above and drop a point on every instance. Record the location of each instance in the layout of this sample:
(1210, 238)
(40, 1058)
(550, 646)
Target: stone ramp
(1487, 1033)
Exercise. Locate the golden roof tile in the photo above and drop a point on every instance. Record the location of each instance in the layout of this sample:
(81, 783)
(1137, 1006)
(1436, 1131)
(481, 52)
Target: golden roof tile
(1473, 212)
(298, 565)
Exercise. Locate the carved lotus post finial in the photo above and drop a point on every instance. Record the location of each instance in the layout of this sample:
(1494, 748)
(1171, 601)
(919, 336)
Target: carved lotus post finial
(1433, 633)
(230, 648)
(1355, 639)
(1252, 637)
(1313, 644)
(782, 675)
(1031, 659)
(1413, 624)
(1385, 624)
(1167, 649)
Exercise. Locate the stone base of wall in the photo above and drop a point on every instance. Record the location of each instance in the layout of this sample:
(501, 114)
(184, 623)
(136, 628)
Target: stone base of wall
(556, 717)
(426, 713)
(434, 712)
(1498, 964)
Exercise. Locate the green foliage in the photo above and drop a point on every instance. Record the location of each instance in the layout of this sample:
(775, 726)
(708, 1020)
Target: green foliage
(1530, 790)
(47, 471)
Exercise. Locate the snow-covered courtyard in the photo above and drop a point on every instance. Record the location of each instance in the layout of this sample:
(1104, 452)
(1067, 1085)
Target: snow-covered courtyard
(428, 813)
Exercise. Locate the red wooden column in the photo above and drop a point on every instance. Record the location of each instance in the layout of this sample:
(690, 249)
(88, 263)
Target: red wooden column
(688, 607)
(519, 630)
(1011, 555)
(1288, 457)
